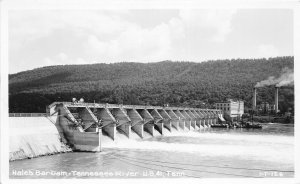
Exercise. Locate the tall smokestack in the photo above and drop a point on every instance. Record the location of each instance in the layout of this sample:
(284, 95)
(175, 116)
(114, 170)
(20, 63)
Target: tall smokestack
(276, 99)
(254, 99)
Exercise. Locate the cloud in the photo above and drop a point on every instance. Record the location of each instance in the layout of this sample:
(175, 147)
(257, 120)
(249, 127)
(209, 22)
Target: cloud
(37, 23)
(267, 50)
(217, 22)
(133, 44)
(64, 59)
(106, 35)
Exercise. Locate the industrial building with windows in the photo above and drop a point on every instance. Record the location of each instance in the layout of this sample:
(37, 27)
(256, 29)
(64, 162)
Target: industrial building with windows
(231, 107)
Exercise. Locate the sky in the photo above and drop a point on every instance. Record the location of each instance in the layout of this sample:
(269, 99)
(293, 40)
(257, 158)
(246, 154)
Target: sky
(40, 38)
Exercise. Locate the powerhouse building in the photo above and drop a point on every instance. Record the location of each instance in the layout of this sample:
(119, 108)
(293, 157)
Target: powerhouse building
(231, 107)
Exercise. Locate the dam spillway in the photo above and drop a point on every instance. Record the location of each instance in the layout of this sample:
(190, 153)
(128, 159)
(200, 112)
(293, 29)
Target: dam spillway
(68, 126)
(84, 125)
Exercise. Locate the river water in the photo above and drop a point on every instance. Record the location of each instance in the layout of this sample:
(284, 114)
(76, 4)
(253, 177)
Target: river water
(205, 153)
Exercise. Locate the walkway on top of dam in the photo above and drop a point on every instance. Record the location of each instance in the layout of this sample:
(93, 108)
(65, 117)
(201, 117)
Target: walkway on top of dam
(107, 105)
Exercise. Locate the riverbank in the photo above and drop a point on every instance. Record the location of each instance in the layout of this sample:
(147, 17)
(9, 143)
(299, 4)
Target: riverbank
(31, 137)
(271, 119)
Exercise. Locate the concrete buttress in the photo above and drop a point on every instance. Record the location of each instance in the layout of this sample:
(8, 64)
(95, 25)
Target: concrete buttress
(174, 119)
(181, 119)
(123, 121)
(108, 122)
(166, 119)
(187, 119)
(137, 122)
(148, 121)
(158, 121)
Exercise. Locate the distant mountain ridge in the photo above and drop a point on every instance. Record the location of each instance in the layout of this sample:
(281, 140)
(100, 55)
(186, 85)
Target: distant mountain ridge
(176, 83)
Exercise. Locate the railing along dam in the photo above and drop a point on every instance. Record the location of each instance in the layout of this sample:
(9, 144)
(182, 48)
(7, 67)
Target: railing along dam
(82, 125)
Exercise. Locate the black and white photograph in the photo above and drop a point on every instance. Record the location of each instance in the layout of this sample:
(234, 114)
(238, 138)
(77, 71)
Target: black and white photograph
(156, 92)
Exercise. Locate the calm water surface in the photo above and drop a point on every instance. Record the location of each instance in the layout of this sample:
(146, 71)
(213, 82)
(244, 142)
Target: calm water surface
(205, 153)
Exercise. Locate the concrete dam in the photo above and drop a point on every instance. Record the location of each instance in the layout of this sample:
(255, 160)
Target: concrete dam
(69, 126)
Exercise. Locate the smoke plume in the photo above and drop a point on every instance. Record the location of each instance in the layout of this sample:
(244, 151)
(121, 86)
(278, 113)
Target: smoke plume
(285, 79)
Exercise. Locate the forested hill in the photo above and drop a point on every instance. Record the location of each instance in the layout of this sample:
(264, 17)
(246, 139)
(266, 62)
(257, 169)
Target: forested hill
(177, 83)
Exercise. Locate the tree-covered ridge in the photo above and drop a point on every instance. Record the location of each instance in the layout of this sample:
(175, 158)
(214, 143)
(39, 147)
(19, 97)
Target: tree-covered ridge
(176, 83)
